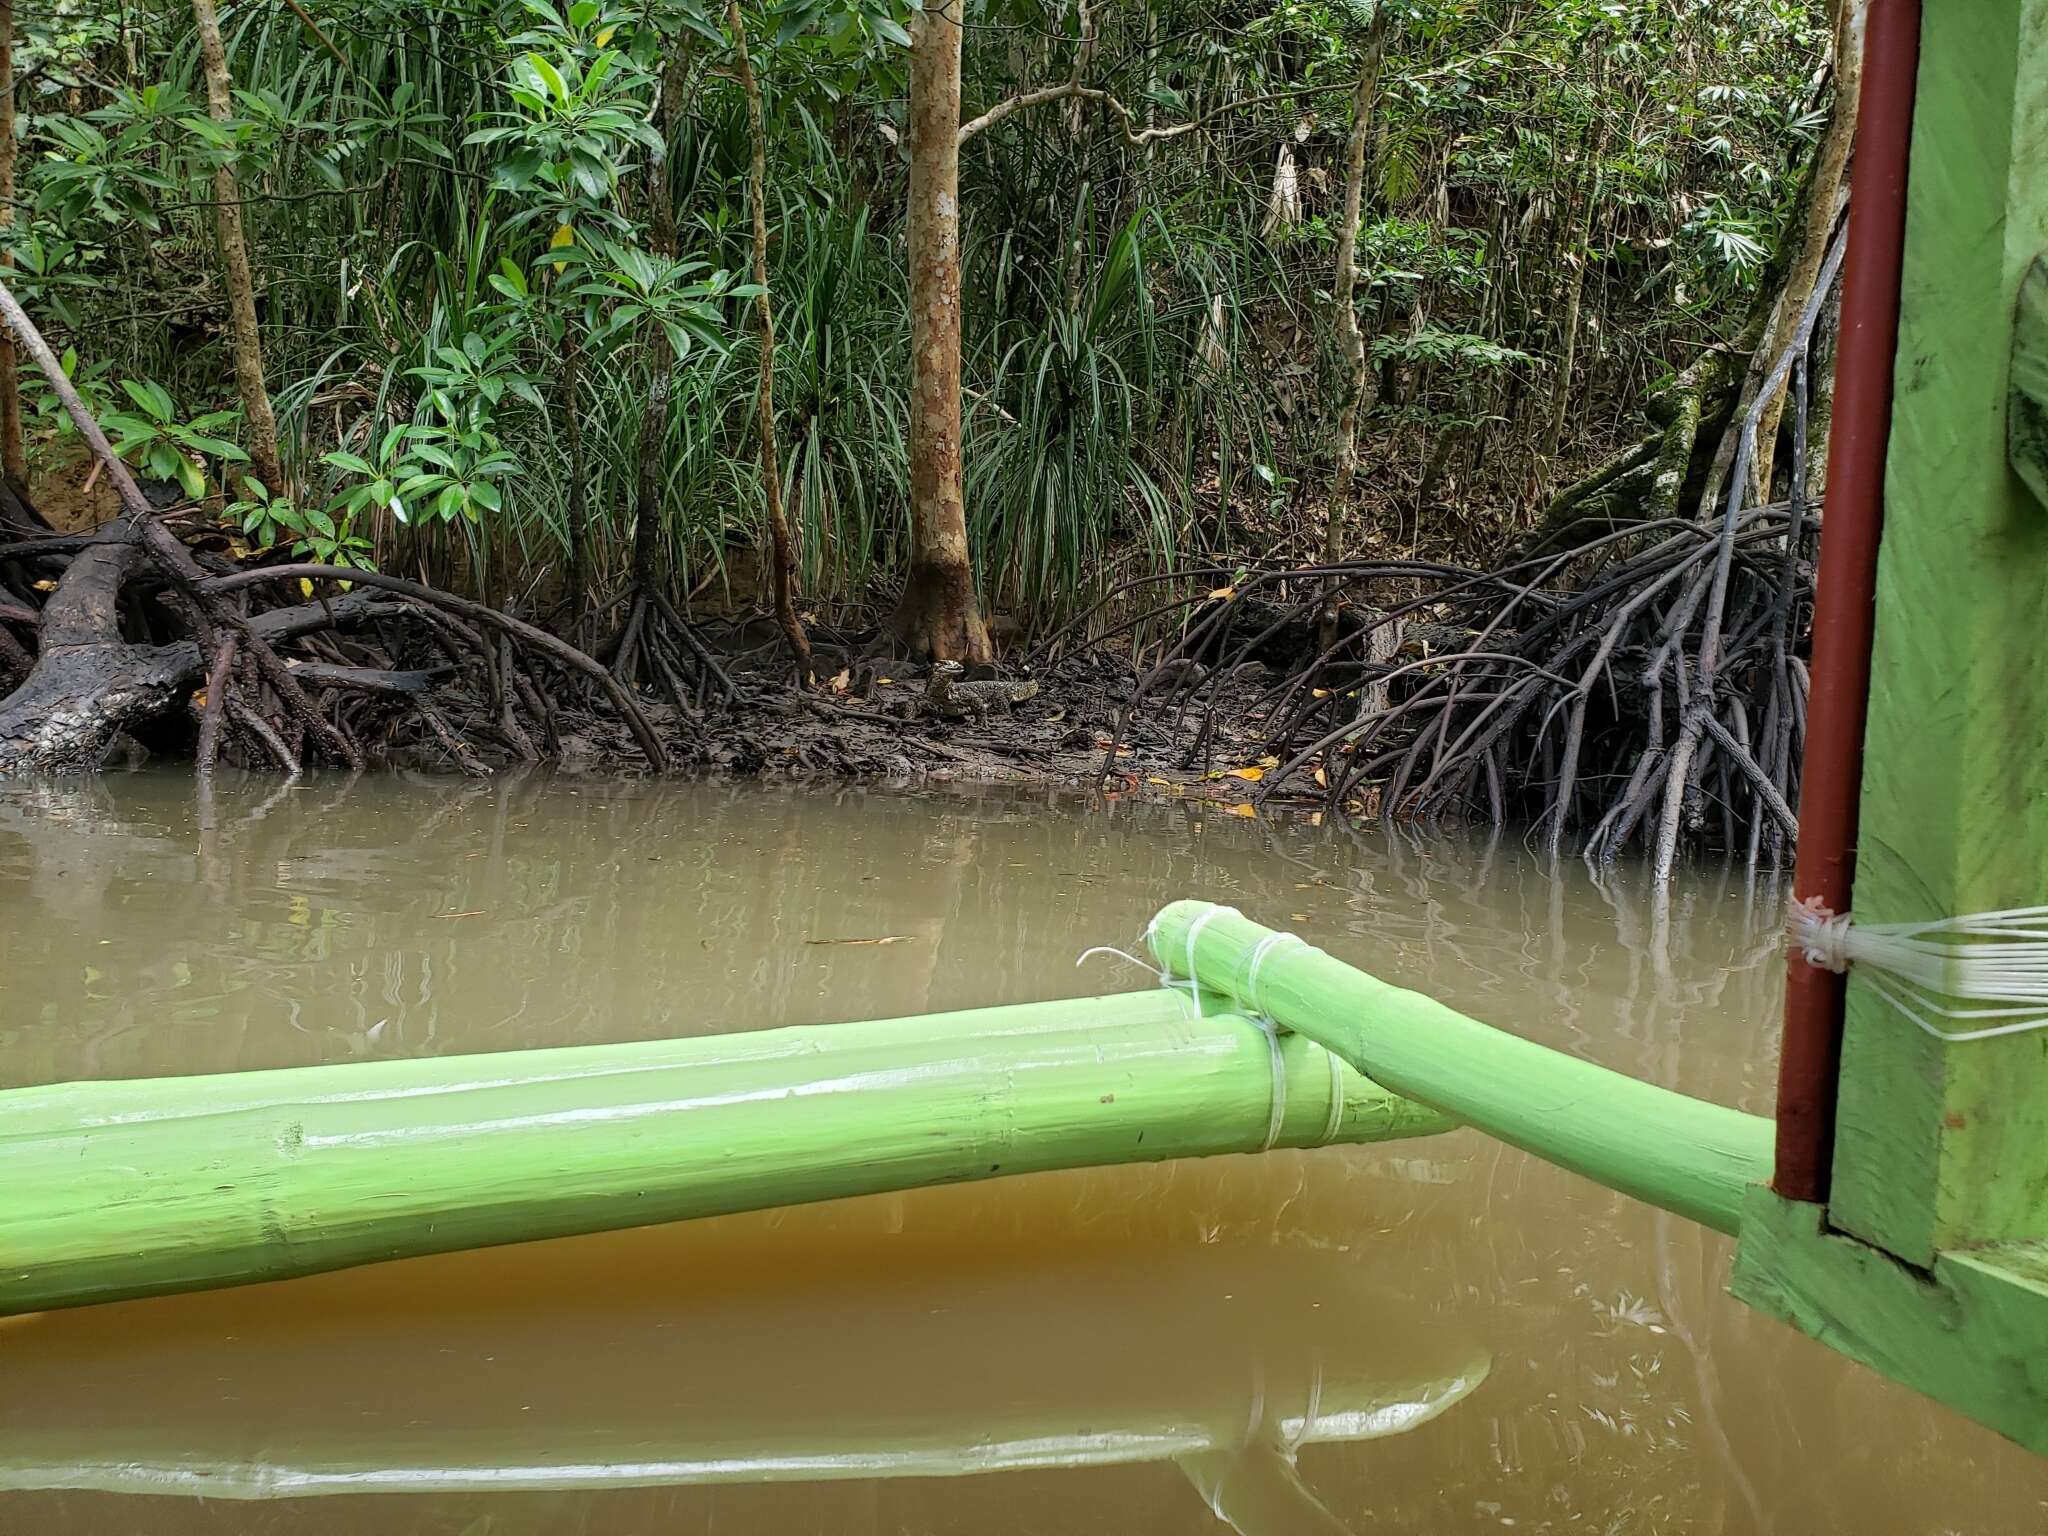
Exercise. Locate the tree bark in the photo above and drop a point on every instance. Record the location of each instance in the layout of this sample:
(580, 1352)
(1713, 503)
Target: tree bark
(163, 548)
(938, 616)
(1826, 196)
(1364, 106)
(764, 403)
(13, 451)
(1575, 253)
(89, 683)
(661, 237)
(259, 423)
(579, 507)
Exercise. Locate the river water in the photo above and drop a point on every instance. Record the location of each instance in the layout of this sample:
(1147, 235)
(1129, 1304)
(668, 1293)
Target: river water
(1446, 1335)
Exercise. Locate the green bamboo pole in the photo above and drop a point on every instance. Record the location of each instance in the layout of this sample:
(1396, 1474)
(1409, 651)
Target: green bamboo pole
(1679, 1153)
(333, 1166)
(58, 1107)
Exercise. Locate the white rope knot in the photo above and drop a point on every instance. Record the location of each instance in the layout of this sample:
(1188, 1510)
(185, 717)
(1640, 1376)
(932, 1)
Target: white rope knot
(1995, 962)
(1820, 935)
(1335, 1123)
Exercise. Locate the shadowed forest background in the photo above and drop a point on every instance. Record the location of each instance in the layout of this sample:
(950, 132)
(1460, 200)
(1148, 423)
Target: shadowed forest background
(453, 233)
(621, 318)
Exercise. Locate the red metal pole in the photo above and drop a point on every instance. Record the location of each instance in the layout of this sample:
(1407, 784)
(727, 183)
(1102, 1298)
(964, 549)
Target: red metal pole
(1831, 779)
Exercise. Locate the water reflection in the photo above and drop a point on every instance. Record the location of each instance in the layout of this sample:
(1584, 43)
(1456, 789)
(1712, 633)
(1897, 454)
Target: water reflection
(384, 918)
(711, 1356)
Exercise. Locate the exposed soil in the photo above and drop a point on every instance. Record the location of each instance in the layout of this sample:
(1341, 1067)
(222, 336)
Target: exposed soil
(866, 723)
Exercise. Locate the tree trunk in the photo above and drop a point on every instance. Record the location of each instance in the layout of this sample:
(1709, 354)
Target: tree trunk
(1826, 196)
(258, 422)
(1575, 254)
(579, 508)
(661, 238)
(13, 452)
(938, 616)
(764, 403)
(1364, 105)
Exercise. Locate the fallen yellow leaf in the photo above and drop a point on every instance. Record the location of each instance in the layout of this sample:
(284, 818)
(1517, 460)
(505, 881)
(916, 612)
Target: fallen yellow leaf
(1223, 594)
(885, 682)
(45, 585)
(1319, 693)
(1243, 808)
(1269, 762)
(841, 679)
(1249, 775)
(1322, 779)
(305, 586)
(1155, 779)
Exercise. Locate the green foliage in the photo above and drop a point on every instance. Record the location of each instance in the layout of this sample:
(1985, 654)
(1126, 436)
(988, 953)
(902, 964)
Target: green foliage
(636, 288)
(445, 469)
(1150, 360)
(1062, 469)
(269, 520)
(567, 128)
(103, 166)
(95, 387)
(153, 438)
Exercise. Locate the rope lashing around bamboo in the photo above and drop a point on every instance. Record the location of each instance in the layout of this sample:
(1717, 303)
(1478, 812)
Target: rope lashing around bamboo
(1271, 1027)
(1914, 966)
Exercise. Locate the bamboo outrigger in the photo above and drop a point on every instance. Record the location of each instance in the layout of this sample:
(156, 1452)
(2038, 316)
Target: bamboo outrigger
(117, 1190)
(1895, 1209)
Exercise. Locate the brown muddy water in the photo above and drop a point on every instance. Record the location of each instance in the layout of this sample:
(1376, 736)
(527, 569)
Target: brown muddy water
(1449, 1336)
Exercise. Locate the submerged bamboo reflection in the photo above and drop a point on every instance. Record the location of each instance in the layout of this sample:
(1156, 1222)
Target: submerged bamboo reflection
(829, 1344)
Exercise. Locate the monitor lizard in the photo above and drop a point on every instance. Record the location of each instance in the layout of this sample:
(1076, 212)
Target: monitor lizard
(948, 698)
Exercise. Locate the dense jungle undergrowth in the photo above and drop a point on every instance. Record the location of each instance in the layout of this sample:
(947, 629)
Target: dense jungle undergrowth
(1416, 405)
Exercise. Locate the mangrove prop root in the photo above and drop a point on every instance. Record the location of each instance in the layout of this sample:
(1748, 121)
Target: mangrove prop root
(1629, 674)
(166, 551)
(538, 640)
(1558, 688)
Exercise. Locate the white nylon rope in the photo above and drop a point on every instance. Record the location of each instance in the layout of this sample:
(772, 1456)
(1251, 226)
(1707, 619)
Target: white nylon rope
(1335, 1119)
(1264, 1020)
(1268, 1025)
(1995, 960)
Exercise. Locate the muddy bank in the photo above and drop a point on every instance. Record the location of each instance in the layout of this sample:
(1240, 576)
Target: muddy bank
(108, 659)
